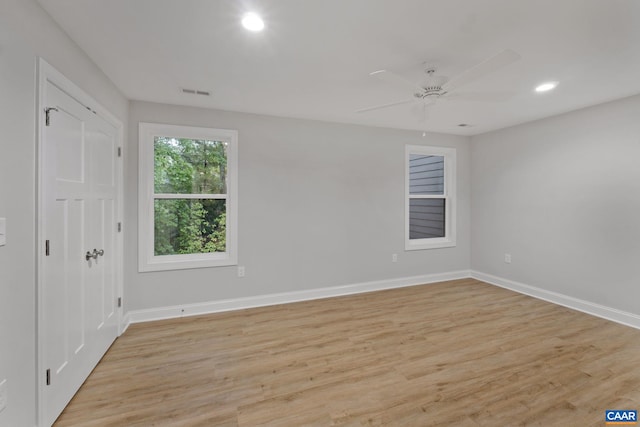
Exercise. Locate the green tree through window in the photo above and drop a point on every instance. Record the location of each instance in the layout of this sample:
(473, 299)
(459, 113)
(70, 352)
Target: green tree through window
(196, 222)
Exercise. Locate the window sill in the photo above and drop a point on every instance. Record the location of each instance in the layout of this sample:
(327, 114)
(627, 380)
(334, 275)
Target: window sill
(184, 262)
(418, 245)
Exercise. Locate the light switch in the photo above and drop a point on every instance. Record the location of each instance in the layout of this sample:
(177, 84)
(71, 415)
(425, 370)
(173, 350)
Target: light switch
(3, 231)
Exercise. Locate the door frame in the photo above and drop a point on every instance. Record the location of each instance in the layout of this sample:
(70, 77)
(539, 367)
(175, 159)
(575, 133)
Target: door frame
(47, 74)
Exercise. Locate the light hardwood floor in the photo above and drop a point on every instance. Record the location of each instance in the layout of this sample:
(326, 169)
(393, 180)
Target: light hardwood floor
(459, 353)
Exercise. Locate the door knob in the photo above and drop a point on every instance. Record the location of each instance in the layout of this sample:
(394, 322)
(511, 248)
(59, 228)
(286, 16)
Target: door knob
(95, 254)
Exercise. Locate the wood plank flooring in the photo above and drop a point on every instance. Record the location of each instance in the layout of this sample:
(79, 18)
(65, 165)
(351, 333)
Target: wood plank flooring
(458, 353)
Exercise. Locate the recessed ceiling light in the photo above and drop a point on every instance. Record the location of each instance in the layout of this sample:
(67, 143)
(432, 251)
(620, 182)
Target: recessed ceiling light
(547, 86)
(252, 22)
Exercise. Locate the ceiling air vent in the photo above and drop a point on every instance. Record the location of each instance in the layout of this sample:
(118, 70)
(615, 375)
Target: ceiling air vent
(196, 92)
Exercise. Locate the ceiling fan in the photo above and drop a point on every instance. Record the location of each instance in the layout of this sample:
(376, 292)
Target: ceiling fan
(435, 87)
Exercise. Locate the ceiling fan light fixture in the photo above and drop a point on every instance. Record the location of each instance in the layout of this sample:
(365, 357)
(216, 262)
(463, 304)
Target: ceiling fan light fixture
(546, 86)
(252, 22)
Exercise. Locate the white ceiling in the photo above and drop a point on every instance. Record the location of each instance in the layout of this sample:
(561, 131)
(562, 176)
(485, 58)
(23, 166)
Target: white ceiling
(314, 58)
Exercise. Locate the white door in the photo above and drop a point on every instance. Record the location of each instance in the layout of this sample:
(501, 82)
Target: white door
(78, 293)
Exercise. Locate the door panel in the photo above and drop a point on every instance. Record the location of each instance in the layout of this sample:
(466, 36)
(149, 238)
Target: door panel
(103, 160)
(75, 276)
(108, 274)
(80, 202)
(69, 147)
(56, 303)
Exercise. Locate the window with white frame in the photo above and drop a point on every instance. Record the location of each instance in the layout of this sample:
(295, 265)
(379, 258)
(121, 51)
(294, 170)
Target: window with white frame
(188, 196)
(430, 197)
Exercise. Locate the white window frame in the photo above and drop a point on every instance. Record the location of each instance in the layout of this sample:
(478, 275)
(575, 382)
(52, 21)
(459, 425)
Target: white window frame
(147, 260)
(449, 239)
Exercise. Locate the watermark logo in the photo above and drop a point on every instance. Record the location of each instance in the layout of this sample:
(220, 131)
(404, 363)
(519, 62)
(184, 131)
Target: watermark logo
(620, 417)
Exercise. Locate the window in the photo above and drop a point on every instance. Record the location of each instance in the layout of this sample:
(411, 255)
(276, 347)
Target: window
(188, 196)
(430, 197)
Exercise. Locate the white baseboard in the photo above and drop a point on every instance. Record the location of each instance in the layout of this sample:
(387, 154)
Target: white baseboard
(176, 311)
(137, 316)
(124, 324)
(615, 315)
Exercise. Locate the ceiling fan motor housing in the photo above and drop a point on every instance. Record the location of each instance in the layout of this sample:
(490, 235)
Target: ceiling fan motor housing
(432, 87)
(430, 92)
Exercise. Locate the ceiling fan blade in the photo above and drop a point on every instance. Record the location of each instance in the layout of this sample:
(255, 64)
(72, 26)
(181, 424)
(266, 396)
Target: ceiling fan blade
(391, 104)
(487, 66)
(479, 96)
(396, 80)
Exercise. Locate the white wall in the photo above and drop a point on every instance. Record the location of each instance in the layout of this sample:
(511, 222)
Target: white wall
(562, 195)
(320, 205)
(26, 31)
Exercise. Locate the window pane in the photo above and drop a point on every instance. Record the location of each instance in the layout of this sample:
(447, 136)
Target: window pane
(189, 166)
(426, 174)
(189, 226)
(426, 218)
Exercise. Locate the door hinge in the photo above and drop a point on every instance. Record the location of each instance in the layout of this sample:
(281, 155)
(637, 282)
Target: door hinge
(46, 248)
(119, 151)
(119, 302)
(48, 375)
(46, 113)
(119, 227)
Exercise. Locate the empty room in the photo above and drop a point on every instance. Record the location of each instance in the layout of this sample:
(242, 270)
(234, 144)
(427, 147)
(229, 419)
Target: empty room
(319, 213)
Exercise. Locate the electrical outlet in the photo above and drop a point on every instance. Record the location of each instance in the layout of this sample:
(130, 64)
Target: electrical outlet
(394, 257)
(3, 395)
(507, 258)
(241, 271)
